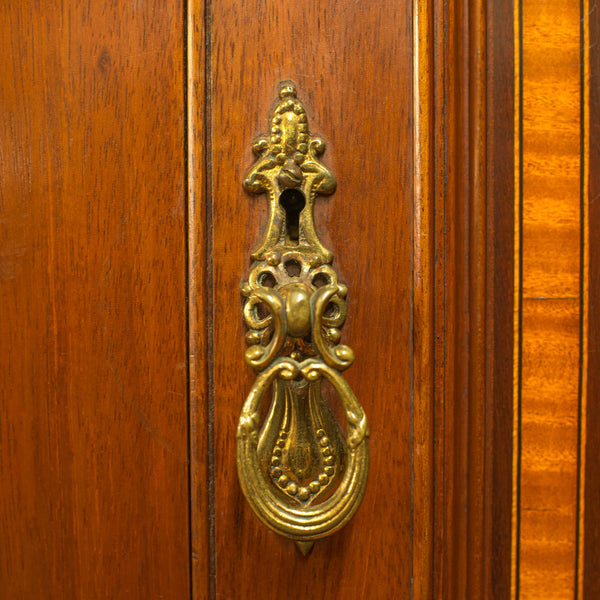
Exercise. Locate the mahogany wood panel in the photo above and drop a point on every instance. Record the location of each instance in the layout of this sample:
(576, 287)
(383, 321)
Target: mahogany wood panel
(550, 314)
(93, 440)
(352, 65)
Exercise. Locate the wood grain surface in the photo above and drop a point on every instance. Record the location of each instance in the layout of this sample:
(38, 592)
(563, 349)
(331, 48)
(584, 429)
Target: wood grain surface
(93, 441)
(351, 63)
(550, 305)
(125, 233)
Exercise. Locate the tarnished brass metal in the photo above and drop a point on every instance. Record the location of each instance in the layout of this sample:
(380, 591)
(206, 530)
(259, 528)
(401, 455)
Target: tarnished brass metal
(302, 476)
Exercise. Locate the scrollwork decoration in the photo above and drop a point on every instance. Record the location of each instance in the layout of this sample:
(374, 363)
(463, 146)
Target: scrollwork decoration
(302, 477)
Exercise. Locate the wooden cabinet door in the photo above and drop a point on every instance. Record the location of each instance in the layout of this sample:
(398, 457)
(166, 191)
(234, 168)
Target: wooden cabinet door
(127, 129)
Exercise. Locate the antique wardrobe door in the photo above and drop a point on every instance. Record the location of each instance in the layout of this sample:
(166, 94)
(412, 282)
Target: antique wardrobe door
(93, 392)
(126, 237)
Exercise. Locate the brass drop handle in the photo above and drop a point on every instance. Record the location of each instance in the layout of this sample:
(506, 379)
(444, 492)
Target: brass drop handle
(302, 477)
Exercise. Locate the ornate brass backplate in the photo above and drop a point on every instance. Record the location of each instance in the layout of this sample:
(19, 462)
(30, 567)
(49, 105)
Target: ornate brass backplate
(301, 475)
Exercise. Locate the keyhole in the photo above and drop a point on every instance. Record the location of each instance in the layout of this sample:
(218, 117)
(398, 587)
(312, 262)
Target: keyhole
(293, 202)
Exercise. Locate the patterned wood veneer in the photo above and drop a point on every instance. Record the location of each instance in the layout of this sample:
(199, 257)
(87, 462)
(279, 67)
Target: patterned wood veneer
(549, 307)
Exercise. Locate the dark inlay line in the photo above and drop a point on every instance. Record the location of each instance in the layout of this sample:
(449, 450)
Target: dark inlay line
(212, 559)
(582, 225)
(591, 553)
(591, 493)
(186, 172)
(520, 311)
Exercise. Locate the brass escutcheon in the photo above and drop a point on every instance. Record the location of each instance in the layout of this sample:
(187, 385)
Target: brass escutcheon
(301, 475)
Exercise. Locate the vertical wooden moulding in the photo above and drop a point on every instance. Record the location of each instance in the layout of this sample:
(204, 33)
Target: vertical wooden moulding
(500, 296)
(423, 307)
(199, 304)
(465, 223)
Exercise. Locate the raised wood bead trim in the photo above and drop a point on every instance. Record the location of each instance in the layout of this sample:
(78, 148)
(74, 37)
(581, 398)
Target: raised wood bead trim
(463, 298)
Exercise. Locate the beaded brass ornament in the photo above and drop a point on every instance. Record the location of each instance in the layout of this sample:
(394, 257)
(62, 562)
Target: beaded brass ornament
(301, 475)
